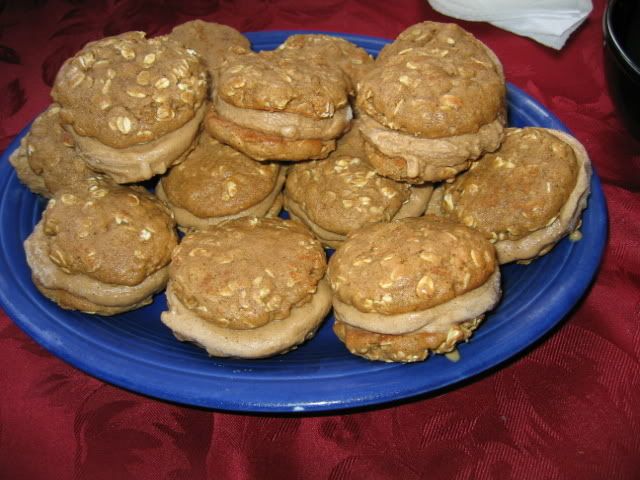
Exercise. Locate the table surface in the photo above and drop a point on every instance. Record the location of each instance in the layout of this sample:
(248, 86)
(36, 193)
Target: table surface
(566, 408)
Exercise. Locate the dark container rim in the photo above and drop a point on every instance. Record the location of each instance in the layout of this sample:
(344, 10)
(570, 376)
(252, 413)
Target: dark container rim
(614, 43)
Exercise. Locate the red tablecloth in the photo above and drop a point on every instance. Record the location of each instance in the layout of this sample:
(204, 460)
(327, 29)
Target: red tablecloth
(568, 408)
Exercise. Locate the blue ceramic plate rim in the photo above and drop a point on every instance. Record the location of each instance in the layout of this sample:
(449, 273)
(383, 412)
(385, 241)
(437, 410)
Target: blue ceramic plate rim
(326, 378)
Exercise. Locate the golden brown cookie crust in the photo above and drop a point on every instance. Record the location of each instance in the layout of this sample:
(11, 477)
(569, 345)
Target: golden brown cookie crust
(344, 193)
(439, 37)
(351, 143)
(278, 81)
(117, 235)
(332, 51)
(52, 156)
(19, 160)
(270, 206)
(535, 172)
(247, 272)
(433, 92)
(409, 265)
(128, 90)
(216, 180)
(210, 40)
(412, 347)
(262, 146)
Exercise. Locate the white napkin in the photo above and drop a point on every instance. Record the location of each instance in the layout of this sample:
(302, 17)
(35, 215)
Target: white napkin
(549, 22)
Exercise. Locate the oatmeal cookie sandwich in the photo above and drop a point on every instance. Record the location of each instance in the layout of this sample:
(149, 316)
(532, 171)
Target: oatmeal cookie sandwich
(432, 105)
(410, 287)
(105, 249)
(133, 105)
(525, 197)
(343, 193)
(276, 105)
(249, 288)
(216, 183)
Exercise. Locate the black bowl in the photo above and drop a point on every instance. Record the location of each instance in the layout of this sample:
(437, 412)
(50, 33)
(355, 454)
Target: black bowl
(621, 24)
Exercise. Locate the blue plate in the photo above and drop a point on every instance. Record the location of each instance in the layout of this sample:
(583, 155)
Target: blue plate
(136, 351)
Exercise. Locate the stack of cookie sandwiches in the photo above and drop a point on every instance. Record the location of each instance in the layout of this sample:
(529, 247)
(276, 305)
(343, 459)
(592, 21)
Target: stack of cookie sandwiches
(403, 165)
(433, 103)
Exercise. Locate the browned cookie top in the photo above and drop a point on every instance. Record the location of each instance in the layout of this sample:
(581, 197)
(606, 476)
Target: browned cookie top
(117, 235)
(278, 81)
(344, 193)
(127, 89)
(516, 190)
(247, 272)
(210, 40)
(51, 153)
(351, 143)
(216, 180)
(409, 265)
(433, 92)
(333, 51)
(437, 37)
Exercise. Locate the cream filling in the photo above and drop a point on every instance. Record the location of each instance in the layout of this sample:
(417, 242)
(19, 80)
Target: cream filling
(143, 161)
(95, 291)
(432, 320)
(435, 202)
(285, 124)
(275, 337)
(186, 219)
(541, 241)
(413, 207)
(329, 239)
(438, 152)
(417, 202)
(276, 207)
